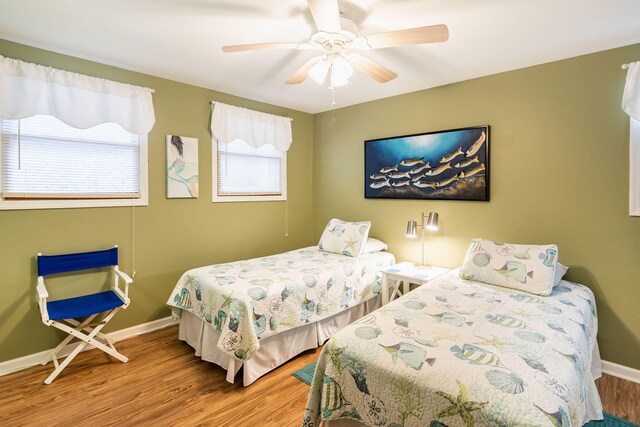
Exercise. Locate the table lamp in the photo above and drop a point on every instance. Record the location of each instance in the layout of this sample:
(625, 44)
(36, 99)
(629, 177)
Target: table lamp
(431, 225)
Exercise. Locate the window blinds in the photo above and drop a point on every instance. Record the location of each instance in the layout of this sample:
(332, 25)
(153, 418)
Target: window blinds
(245, 170)
(43, 158)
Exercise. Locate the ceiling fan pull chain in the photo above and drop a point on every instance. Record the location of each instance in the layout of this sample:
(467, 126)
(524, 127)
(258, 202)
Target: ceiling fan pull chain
(333, 96)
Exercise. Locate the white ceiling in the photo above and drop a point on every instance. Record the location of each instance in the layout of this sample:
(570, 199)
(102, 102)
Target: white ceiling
(181, 40)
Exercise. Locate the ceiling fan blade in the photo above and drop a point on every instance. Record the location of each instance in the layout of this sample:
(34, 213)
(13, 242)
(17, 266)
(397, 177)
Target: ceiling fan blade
(301, 73)
(326, 15)
(420, 35)
(265, 46)
(373, 69)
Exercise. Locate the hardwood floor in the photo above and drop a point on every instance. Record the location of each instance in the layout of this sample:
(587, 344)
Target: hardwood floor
(165, 384)
(619, 397)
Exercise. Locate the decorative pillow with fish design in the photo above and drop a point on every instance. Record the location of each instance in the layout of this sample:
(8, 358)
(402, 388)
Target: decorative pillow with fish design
(529, 268)
(345, 238)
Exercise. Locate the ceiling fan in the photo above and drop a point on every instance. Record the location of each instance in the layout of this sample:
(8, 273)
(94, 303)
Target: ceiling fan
(337, 38)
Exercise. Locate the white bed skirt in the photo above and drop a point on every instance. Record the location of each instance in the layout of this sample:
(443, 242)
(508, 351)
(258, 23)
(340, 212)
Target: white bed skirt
(274, 350)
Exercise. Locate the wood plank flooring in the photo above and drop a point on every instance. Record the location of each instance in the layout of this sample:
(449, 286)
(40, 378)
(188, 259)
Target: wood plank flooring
(619, 397)
(164, 384)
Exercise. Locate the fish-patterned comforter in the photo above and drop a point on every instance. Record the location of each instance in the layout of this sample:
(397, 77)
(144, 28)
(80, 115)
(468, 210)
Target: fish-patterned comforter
(249, 300)
(461, 353)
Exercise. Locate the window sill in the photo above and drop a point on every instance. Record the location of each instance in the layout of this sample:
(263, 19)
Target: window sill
(223, 199)
(70, 204)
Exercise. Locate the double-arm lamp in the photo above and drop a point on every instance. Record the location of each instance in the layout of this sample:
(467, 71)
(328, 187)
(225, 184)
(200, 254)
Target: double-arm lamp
(431, 225)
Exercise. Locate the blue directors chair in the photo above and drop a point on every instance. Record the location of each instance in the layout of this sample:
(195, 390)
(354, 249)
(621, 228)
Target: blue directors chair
(75, 316)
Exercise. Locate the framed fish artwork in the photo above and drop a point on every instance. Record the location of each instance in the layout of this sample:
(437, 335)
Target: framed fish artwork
(182, 167)
(443, 165)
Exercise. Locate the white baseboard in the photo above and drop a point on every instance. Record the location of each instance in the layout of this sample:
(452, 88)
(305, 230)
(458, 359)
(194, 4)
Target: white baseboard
(621, 371)
(144, 328)
(34, 359)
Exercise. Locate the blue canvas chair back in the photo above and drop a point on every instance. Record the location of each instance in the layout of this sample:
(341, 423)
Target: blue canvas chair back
(53, 264)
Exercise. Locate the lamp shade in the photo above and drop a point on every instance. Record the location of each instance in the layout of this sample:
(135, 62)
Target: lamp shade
(432, 221)
(411, 229)
(319, 71)
(341, 70)
(336, 80)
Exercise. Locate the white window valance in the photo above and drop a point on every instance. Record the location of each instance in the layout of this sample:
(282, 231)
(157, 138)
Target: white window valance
(229, 123)
(80, 101)
(631, 96)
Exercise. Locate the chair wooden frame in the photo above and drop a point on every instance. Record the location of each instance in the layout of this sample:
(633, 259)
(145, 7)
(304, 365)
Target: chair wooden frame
(83, 330)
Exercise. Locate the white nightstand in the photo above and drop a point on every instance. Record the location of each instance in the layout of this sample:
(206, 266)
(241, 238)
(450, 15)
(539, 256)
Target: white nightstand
(406, 273)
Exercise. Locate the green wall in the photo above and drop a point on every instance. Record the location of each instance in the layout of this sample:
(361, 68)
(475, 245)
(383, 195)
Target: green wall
(559, 174)
(171, 235)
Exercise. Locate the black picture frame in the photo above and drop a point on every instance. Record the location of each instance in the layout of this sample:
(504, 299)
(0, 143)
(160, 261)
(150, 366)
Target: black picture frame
(448, 164)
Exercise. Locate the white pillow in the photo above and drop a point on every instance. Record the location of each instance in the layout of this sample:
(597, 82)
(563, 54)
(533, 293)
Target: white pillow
(374, 245)
(345, 238)
(528, 268)
(561, 270)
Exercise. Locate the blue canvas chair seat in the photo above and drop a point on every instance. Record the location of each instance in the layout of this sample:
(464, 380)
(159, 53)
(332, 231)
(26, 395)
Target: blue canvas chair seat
(64, 314)
(72, 308)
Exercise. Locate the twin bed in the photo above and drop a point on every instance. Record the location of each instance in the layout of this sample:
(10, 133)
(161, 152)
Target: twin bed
(259, 313)
(456, 352)
(462, 352)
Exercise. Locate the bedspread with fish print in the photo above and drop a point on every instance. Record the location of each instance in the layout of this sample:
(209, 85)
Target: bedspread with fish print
(461, 353)
(246, 301)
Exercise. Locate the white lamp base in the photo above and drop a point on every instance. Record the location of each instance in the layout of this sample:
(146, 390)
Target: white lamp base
(422, 267)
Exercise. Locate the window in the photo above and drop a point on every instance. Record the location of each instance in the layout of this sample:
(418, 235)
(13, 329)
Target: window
(634, 169)
(249, 154)
(46, 163)
(244, 173)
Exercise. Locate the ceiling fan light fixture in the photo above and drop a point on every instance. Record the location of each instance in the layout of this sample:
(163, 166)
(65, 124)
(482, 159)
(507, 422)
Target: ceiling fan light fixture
(337, 81)
(319, 71)
(342, 68)
(341, 71)
(336, 37)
